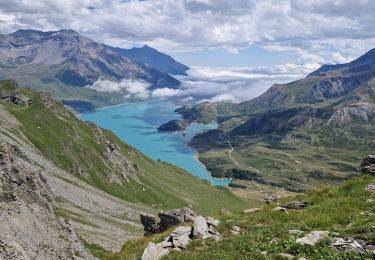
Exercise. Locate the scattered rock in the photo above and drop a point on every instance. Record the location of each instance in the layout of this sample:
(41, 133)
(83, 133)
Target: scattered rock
(295, 205)
(200, 229)
(371, 188)
(367, 214)
(347, 245)
(251, 210)
(295, 232)
(271, 198)
(235, 230)
(312, 238)
(370, 200)
(286, 256)
(368, 165)
(212, 222)
(154, 252)
(279, 209)
(264, 253)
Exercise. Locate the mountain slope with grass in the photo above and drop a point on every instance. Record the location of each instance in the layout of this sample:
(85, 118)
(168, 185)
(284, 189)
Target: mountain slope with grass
(97, 182)
(294, 134)
(346, 212)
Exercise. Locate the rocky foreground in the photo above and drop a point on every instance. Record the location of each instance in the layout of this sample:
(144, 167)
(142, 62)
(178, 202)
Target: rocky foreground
(192, 227)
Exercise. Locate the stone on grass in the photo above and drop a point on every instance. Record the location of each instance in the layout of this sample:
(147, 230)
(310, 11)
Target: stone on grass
(235, 230)
(312, 238)
(286, 256)
(154, 252)
(370, 188)
(279, 209)
(251, 210)
(295, 205)
(347, 245)
(295, 232)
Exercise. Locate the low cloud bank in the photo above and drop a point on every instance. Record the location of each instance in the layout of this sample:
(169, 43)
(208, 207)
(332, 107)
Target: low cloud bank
(213, 84)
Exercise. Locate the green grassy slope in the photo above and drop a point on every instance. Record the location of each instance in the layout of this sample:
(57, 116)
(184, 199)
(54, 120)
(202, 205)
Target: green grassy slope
(71, 144)
(335, 209)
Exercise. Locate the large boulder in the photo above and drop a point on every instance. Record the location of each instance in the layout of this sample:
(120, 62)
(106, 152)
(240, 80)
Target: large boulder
(166, 219)
(368, 165)
(174, 217)
(200, 229)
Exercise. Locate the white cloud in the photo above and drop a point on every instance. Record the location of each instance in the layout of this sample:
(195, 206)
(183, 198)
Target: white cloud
(308, 27)
(233, 84)
(131, 88)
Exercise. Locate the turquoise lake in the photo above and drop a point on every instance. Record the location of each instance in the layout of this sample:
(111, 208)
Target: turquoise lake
(137, 123)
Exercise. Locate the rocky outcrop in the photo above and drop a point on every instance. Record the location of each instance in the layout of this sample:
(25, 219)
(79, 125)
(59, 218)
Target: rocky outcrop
(180, 238)
(166, 219)
(368, 165)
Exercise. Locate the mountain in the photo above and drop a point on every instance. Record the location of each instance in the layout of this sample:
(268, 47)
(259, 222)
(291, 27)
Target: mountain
(293, 136)
(64, 62)
(152, 57)
(67, 186)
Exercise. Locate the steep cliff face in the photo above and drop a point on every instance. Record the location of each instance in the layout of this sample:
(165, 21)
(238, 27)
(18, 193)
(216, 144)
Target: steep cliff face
(30, 229)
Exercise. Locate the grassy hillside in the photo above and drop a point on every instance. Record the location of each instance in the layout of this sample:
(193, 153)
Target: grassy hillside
(84, 150)
(335, 209)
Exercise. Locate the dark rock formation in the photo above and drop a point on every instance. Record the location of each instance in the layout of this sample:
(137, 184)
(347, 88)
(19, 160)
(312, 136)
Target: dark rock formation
(166, 219)
(295, 205)
(368, 165)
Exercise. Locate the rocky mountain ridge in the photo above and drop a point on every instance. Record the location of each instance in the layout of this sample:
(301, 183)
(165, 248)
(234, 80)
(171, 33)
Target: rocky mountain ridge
(64, 62)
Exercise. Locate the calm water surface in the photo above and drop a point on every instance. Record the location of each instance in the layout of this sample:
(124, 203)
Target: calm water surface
(136, 124)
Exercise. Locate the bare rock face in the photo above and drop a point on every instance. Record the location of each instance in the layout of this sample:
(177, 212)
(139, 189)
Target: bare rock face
(368, 165)
(29, 227)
